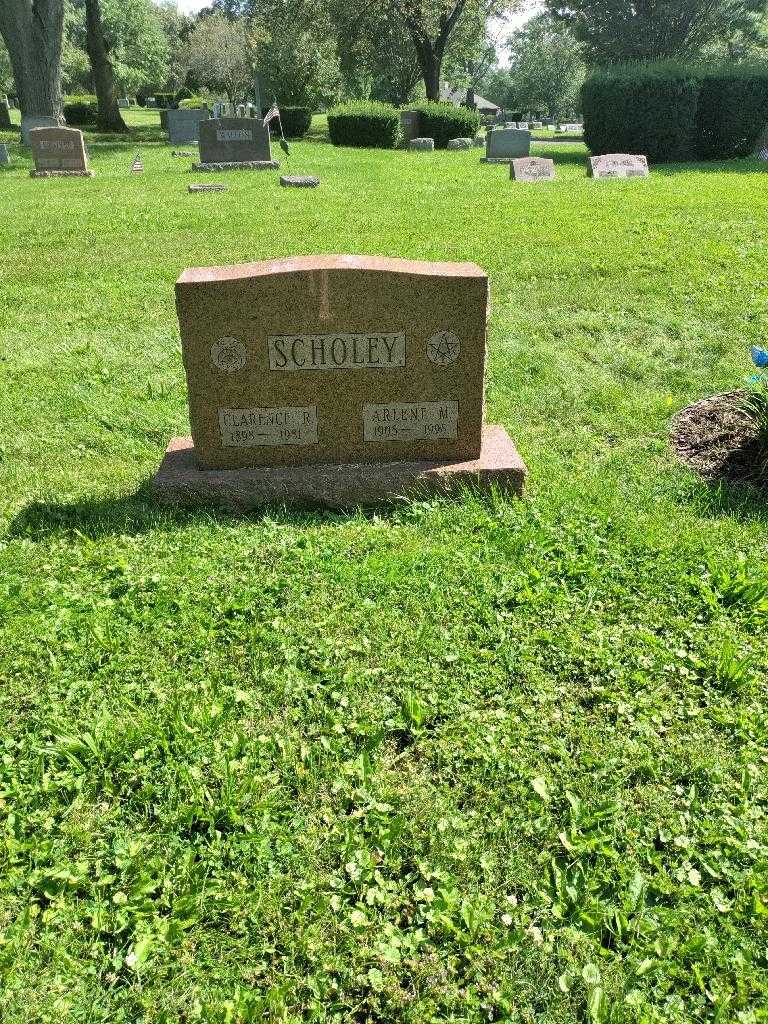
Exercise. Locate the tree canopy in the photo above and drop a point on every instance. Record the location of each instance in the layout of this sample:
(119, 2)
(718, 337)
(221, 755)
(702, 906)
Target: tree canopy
(613, 31)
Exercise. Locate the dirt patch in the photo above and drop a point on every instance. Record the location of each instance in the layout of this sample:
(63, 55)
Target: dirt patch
(716, 439)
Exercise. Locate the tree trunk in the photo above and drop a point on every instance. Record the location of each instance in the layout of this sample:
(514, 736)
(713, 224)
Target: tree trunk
(429, 63)
(110, 118)
(430, 54)
(430, 68)
(32, 31)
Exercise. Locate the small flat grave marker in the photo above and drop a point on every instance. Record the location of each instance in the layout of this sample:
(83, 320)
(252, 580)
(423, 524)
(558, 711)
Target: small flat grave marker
(532, 168)
(299, 181)
(618, 165)
(206, 187)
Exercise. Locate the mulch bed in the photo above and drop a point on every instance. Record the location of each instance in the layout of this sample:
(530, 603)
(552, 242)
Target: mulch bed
(717, 440)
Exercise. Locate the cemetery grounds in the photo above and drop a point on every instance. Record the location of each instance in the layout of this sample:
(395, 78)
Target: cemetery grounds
(468, 761)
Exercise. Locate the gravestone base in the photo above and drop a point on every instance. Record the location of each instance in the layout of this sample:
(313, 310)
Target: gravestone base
(180, 481)
(61, 174)
(243, 165)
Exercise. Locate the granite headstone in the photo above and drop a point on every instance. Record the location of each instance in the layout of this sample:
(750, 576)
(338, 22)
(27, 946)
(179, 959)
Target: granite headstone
(618, 165)
(232, 142)
(504, 144)
(58, 152)
(184, 125)
(532, 168)
(338, 379)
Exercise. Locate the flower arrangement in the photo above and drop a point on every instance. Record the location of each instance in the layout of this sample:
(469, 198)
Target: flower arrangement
(755, 406)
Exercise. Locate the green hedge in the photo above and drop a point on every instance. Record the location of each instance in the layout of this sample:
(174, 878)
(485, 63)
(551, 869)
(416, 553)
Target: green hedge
(295, 121)
(649, 109)
(364, 124)
(85, 97)
(80, 113)
(443, 122)
(164, 100)
(733, 110)
(191, 103)
(670, 111)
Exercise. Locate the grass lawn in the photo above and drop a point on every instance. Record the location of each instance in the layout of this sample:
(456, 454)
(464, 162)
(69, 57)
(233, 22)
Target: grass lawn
(472, 762)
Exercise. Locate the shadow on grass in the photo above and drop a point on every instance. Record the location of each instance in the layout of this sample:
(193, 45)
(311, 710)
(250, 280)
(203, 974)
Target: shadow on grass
(745, 502)
(119, 140)
(562, 156)
(141, 513)
(744, 165)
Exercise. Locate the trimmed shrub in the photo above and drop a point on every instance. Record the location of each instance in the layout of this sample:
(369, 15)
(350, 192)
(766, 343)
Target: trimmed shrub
(80, 113)
(192, 103)
(364, 124)
(641, 108)
(164, 100)
(733, 110)
(85, 97)
(443, 122)
(295, 121)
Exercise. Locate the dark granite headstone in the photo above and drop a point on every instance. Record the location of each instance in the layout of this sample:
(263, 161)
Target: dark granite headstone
(234, 140)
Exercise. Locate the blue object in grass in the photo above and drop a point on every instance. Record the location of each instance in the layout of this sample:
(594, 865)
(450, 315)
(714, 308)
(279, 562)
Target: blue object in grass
(759, 357)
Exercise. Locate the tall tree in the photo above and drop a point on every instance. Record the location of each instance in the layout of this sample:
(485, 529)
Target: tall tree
(134, 37)
(621, 30)
(6, 71)
(546, 67)
(220, 55)
(32, 31)
(432, 24)
(98, 46)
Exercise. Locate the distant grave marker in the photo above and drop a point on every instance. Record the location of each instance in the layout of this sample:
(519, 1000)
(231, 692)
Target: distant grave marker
(205, 187)
(58, 152)
(184, 125)
(618, 165)
(299, 181)
(532, 168)
(502, 145)
(233, 143)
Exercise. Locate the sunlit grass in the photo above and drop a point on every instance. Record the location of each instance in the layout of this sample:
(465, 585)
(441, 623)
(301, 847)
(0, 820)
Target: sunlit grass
(473, 761)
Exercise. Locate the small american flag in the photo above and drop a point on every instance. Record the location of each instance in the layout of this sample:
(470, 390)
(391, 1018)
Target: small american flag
(272, 113)
(762, 154)
(137, 166)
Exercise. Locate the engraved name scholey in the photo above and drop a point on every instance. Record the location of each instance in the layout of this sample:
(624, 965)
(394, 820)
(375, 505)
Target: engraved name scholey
(336, 351)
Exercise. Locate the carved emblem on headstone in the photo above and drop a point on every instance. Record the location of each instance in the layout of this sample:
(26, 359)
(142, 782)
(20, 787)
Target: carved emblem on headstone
(229, 354)
(443, 348)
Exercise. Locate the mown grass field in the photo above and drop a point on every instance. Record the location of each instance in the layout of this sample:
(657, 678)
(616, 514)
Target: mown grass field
(475, 761)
